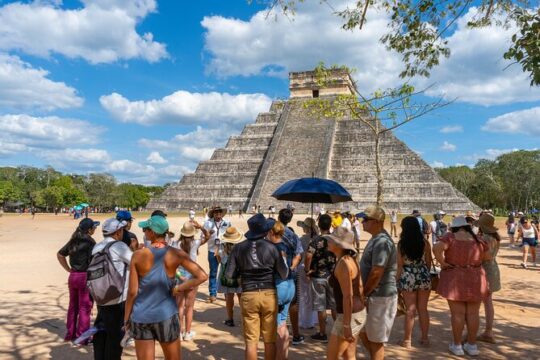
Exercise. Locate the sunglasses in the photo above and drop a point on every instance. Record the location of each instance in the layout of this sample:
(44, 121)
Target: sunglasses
(366, 220)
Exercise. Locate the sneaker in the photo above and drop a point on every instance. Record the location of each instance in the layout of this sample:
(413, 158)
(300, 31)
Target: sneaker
(456, 349)
(320, 337)
(125, 342)
(297, 340)
(211, 300)
(229, 322)
(471, 349)
(189, 335)
(523, 265)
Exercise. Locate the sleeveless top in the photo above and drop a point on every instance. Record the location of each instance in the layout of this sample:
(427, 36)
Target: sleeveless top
(154, 301)
(529, 233)
(338, 294)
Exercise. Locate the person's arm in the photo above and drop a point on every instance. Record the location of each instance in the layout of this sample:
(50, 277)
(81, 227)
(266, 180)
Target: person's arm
(427, 254)
(63, 261)
(133, 287)
(374, 277)
(198, 274)
(438, 250)
(344, 277)
(297, 253)
(486, 247)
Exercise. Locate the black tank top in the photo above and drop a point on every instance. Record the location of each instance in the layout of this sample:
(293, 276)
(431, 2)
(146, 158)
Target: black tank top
(357, 305)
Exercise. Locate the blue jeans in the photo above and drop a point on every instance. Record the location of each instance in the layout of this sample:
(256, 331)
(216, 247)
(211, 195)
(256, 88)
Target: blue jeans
(212, 283)
(285, 294)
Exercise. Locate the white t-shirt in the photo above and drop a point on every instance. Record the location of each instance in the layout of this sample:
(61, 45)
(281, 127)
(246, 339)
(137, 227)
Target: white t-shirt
(219, 230)
(192, 214)
(393, 218)
(346, 224)
(121, 256)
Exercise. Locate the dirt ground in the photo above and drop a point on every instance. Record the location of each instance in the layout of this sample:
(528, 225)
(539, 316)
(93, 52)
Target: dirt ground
(34, 299)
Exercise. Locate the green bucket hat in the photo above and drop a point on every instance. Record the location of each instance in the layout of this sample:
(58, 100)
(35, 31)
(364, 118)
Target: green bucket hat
(157, 224)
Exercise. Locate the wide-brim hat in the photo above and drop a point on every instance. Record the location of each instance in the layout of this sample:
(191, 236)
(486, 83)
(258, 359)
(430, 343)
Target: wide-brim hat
(459, 221)
(188, 230)
(308, 223)
(259, 226)
(232, 236)
(470, 214)
(216, 209)
(342, 237)
(486, 223)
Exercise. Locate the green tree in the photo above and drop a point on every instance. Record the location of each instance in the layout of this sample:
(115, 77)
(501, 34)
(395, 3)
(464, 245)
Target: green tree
(461, 177)
(101, 190)
(417, 29)
(9, 192)
(133, 196)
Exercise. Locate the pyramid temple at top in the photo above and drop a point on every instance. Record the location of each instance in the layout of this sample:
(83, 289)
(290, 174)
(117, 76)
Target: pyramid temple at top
(287, 142)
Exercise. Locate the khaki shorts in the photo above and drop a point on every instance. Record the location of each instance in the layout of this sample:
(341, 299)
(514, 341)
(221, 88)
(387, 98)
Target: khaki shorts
(357, 322)
(322, 295)
(259, 315)
(381, 313)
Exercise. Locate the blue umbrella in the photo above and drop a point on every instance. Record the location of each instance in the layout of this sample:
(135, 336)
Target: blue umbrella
(312, 190)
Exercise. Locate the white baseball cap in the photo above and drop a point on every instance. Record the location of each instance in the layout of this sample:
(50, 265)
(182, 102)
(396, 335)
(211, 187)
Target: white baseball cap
(110, 226)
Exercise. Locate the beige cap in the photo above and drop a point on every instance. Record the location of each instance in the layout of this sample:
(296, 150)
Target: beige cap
(372, 212)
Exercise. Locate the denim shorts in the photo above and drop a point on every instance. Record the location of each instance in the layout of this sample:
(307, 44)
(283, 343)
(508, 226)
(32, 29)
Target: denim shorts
(530, 242)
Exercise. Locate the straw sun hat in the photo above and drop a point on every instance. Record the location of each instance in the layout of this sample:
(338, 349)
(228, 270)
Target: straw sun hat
(343, 237)
(232, 236)
(486, 223)
(188, 230)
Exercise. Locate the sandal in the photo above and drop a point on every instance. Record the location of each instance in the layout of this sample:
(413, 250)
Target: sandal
(425, 342)
(486, 338)
(405, 343)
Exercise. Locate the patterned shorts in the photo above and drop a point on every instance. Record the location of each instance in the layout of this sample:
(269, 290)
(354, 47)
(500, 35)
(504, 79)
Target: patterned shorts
(164, 331)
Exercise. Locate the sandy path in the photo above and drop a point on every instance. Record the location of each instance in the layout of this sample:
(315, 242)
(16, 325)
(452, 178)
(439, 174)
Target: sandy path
(34, 298)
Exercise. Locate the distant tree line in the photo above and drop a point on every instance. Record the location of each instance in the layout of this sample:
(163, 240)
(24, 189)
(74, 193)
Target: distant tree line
(48, 189)
(510, 182)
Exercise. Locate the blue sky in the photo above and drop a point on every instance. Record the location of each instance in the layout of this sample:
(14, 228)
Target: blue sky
(146, 89)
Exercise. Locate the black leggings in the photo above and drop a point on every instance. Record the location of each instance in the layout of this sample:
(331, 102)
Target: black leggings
(107, 342)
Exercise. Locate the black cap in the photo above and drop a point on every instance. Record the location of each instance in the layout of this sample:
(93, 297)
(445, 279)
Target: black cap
(158, 213)
(87, 224)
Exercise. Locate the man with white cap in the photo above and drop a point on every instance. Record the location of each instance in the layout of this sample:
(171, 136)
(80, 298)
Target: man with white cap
(378, 268)
(110, 316)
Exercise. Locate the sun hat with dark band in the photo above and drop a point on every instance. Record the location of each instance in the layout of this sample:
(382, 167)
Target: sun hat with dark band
(342, 237)
(216, 209)
(459, 221)
(232, 236)
(188, 230)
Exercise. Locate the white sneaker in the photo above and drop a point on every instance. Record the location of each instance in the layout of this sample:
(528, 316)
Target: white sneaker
(524, 265)
(189, 335)
(471, 349)
(456, 349)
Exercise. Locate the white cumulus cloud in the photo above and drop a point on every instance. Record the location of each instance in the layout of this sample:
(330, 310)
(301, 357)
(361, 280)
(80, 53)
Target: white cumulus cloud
(274, 46)
(129, 167)
(155, 158)
(438, 164)
(446, 146)
(521, 121)
(476, 72)
(100, 32)
(50, 131)
(25, 87)
(76, 157)
(183, 107)
(451, 129)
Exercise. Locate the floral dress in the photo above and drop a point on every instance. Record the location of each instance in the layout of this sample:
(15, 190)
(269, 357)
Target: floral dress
(414, 276)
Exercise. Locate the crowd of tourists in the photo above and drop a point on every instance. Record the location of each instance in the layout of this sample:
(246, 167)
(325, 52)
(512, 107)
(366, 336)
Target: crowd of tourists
(145, 290)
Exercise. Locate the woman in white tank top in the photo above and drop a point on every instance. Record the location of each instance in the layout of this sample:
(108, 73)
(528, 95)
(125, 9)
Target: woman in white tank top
(529, 233)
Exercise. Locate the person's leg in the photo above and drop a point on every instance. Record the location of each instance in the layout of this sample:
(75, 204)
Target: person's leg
(249, 306)
(73, 309)
(350, 349)
(229, 304)
(213, 265)
(114, 320)
(99, 339)
(473, 321)
(171, 350)
(457, 314)
(533, 254)
(181, 301)
(377, 350)
(525, 254)
(490, 315)
(423, 314)
(293, 314)
(282, 341)
(85, 306)
(190, 305)
(251, 350)
(145, 349)
(410, 299)
(322, 322)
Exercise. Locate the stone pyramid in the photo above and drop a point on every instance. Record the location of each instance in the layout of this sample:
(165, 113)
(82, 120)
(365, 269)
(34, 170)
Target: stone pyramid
(287, 143)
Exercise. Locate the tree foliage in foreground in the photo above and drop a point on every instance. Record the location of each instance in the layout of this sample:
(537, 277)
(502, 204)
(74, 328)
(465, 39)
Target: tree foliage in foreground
(512, 181)
(418, 29)
(49, 189)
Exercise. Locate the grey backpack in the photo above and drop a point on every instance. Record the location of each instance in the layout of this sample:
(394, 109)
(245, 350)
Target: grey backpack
(104, 282)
